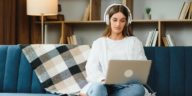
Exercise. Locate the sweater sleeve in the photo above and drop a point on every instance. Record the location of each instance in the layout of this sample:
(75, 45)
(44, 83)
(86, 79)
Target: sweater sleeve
(139, 50)
(93, 66)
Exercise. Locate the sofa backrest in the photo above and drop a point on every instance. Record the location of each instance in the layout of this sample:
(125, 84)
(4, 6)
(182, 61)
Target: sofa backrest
(171, 70)
(170, 73)
(16, 74)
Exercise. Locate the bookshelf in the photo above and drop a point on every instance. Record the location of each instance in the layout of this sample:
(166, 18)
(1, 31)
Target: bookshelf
(162, 26)
(141, 29)
(180, 30)
(94, 18)
(59, 24)
(70, 25)
(139, 25)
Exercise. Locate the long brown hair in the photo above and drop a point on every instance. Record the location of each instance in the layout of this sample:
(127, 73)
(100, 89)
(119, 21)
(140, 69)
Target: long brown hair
(115, 9)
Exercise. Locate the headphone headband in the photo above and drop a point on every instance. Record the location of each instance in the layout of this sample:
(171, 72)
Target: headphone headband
(106, 14)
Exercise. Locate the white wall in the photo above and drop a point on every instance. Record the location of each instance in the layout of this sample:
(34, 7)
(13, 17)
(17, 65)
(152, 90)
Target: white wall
(52, 33)
(87, 33)
(73, 10)
(181, 34)
(160, 9)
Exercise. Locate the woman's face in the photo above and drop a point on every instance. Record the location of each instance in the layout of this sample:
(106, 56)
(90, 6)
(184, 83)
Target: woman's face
(118, 21)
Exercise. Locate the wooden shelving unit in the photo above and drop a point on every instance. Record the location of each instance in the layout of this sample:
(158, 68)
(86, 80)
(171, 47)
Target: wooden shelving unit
(67, 26)
(165, 23)
(84, 22)
(94, 17)
(155, 23)
(161, 25)
(95, 13)
(95, 9)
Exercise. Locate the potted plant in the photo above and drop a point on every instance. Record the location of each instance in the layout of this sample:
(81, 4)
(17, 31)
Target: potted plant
(147, 13)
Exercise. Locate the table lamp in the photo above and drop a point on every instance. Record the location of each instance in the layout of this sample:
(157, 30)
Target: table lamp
(42, 8)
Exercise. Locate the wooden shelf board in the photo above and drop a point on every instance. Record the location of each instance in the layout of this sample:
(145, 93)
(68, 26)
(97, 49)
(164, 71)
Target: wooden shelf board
(53, 22)
(134, 21)
(145, 21)
(174, 20)
(84, 22)
(74, 22)
(178, 21)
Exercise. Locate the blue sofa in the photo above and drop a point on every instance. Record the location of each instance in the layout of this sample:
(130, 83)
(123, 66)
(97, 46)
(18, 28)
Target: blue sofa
(16, 75)
(170, 73)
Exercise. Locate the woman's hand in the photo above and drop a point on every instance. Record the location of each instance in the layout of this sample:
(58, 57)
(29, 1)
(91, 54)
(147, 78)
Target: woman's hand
(103, 81)
(82, 94)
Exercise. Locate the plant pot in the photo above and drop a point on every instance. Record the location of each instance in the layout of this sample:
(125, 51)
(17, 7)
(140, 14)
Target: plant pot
(147, 16)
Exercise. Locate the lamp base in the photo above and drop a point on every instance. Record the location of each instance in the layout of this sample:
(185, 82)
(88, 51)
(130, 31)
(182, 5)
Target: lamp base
(42, 29)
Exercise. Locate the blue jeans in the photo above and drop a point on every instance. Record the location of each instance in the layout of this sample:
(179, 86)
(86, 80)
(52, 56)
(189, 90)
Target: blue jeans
(98, 89)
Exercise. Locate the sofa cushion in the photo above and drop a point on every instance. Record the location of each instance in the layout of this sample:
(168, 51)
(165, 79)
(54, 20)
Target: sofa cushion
(171, 70)
(16, 74)
(60, 68)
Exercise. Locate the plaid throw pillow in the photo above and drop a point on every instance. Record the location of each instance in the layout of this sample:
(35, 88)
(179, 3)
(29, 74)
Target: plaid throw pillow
(60, 68)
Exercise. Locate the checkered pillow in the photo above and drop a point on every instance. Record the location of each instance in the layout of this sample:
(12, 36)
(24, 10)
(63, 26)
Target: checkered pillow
(60, 68)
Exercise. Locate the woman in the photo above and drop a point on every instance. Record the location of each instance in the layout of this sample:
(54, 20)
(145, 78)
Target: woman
(116, 43)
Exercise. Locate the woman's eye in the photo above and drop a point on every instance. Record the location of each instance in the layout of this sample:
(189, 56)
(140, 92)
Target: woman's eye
(123, 20)
(114, 19)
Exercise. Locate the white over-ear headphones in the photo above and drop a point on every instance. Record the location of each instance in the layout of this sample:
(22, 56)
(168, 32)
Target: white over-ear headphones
(106, 15)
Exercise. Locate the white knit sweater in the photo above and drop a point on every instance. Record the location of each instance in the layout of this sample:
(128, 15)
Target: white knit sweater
(105, 49)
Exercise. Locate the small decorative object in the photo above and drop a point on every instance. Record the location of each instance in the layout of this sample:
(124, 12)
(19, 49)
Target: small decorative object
(147, 13)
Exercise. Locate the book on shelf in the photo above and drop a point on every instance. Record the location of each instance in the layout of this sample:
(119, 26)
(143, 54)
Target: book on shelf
(190, 12)
(74, 39)
(68, 40)
(71, 39)
(165, 41)
(155, 38)
(86, 13)
(170, 40)
(152, 38)
(150, 33)
(185, 10)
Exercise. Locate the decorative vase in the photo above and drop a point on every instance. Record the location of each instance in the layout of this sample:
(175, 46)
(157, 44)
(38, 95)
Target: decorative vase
(147, 16)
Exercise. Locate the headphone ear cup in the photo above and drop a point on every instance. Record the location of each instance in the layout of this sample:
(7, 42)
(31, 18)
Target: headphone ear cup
(107, 19)
(129, 21)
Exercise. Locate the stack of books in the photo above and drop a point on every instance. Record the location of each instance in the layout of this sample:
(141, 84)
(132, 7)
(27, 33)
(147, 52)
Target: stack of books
(71, 39)
(152, 38)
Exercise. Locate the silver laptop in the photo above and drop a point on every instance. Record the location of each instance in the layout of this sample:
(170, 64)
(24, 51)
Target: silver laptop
(122, 71)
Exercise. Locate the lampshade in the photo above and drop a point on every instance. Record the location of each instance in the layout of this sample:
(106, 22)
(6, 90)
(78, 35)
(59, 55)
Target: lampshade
(39, 7)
